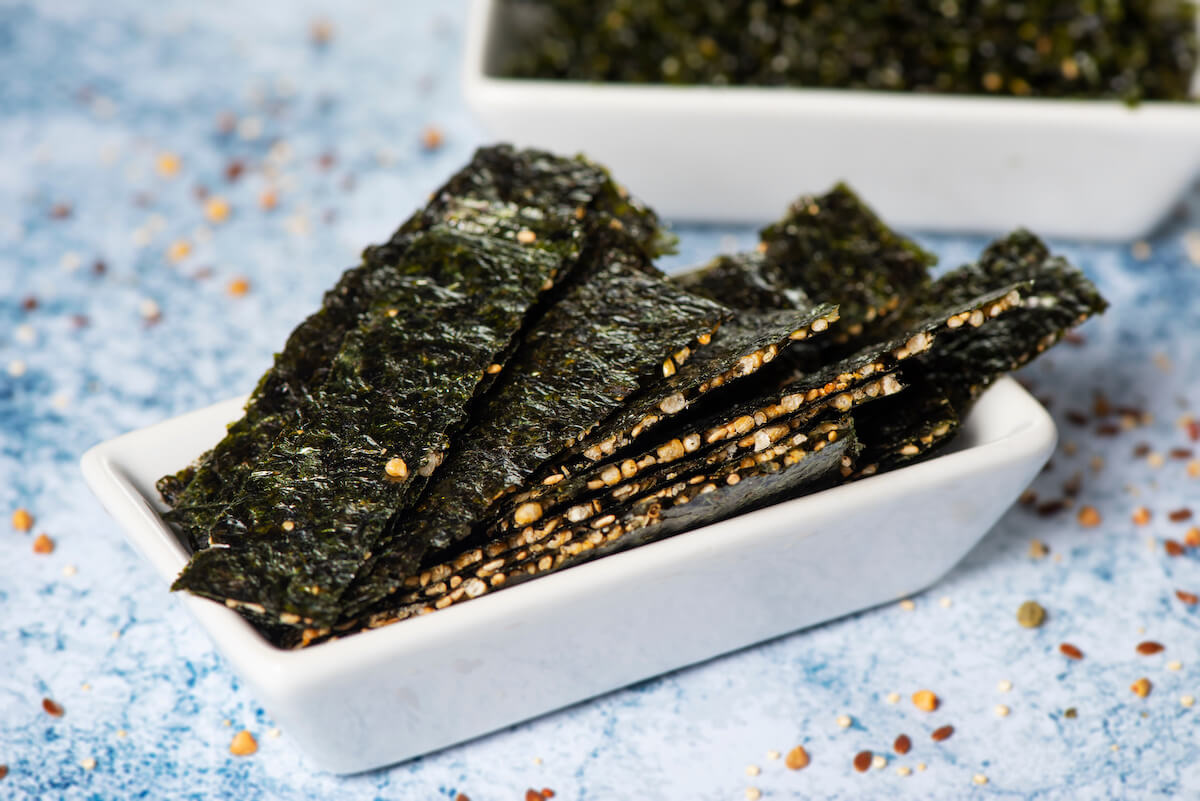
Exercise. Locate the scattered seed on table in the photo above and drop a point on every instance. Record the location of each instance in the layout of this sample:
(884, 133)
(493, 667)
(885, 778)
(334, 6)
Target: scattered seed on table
(1028, 498)
(1173, 548)
(1051, 508)
(925, 700)
(69, 570)
(942, 733)
(1038, 549)
(1070, 713)
(3, 771)
(1155, 460)
(1181, 453)
(907, 605)
(773, 754)
(1187, 700)
(22, 520)
(268, 200)
(52, 708)
(1031, 614)
(1088, 517)
(1174, 664)
(1179, 515)
(797, 758)
(216, 209)
(533, 795)
(320, 32)
(845, 721)
(1070, 651)
(753, 770)
(904, 770)
(243, 744)
(1193, 468)
(432, 138)
(979, 779)
(1002, 711)
(1191, 537)
(879, 762)
(862, 761)
(1149, 647)
(1141, 516)
(945, 602)
(1141, 687)
(238, 287)
(921, 767)
(893, 698)
(902, 745)
(43, 544)
(88, 763)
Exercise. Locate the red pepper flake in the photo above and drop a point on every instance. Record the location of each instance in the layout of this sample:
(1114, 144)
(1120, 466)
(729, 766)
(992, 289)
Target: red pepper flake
(1173, 548)
(1149, 647)
(29, 303)
(1076, 417)
(1181, 453)
(1179, 515)
(52, 709)
(43, 544)
(902, 745)
(942, 734)
(862, 761)
(1141, 688)
(532, 795)
(60, 211)
(547, 792)
(234, 170)
(1189, 598)
(1070, 651)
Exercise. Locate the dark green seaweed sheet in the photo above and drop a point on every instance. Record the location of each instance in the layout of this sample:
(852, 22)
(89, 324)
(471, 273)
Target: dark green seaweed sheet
(835, 248)
(400, 386)
(1128, 50)
(739, 349)
(1060, 298)
(746, 282)
(904, 429)
(501, 192)
(608, 335)
(790, 469)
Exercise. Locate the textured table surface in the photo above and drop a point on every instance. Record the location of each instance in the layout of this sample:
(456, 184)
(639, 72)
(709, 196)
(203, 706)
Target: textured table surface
(127, 297)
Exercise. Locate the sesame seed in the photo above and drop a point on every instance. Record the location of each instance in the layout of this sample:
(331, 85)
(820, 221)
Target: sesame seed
(149, 310)
(1001, 711)
(69, 570)
(122, 734)
(904, 770)
(526, 237)
(1174, 664)
(274, 733)
(168, 165)
(879, 762)
(773, 755)
(945, 602)
(845, 721)
(179, 250)
(893, 698)
(1088, 517)
(907, 605)
(17, 368)
(216, 209)
(979, 779)
(268, 200)
(1004, 685)
(88, 763)
(22, 520)
(753, 770)
(753, 794)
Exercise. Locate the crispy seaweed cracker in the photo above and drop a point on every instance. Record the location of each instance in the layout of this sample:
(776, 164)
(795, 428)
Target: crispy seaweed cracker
(806, 461)
(1059, 297)
(400, 386)
(838, 251)
(905, 429)
(502, 192)
(740, 348)
(746, 282)
(606, 336)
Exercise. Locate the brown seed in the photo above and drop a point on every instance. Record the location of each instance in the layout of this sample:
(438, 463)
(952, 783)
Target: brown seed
(1070, 651)
(1181, 453)
(925, 700)
(22, 520)
(1149, 647)
(942, 733)
(862, 761)
(1173, 548)
(54, 710)
(3, 771)
(1189, 598)
(462, 797)
(1141, 516)
(1141, 687)
(796, 759)
(1031, 614)
(243, 744)
(902, 745)
(1050, 508)
(43, 544)
(1076, 418)
(1038, 549)
(1088, 517)
(1179, 515)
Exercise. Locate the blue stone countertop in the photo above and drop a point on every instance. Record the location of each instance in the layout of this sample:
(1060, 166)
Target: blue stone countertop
(128, 296)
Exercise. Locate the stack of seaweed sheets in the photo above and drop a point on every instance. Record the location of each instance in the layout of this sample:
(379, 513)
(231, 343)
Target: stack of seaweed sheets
(508, 387)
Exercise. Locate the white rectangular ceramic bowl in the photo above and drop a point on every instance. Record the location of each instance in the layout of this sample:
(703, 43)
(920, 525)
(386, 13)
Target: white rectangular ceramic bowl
(428, 682)
(1065, 168)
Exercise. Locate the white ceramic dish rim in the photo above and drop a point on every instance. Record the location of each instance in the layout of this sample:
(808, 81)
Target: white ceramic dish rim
(293, 670)
(1046, 112)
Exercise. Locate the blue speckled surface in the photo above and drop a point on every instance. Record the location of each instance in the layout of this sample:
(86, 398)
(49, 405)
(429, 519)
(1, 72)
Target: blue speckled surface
(91, 94)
